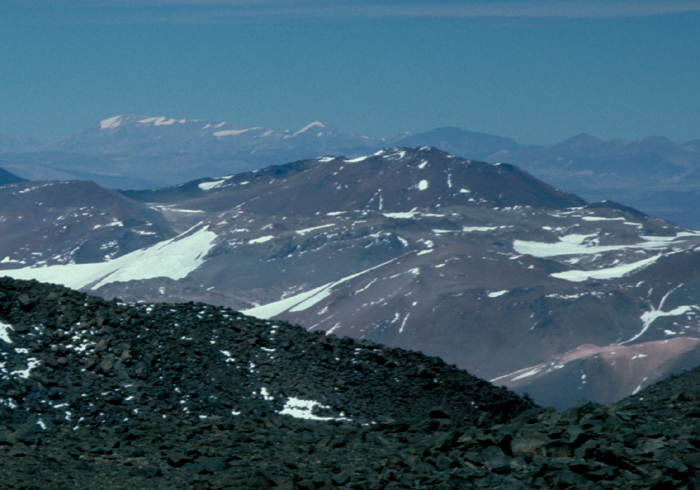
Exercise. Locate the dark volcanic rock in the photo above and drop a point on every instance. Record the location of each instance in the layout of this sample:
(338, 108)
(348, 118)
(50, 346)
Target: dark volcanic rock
(99, 394)
(79, 361)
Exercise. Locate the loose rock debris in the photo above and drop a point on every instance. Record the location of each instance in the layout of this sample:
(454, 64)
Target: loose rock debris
(102, 394)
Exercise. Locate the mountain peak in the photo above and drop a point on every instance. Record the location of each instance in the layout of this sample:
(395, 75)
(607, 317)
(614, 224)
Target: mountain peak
(396, 179)
(460, 142)
(580, 140)
(315, 124)
(8, 177)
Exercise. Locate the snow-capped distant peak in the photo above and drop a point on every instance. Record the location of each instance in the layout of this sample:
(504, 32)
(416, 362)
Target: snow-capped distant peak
(111, 123)
(316, 124)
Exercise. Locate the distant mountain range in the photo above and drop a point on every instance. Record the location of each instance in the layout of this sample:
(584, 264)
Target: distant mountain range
(656, 175)
(137, 152)
(480, 264)
(17, 143)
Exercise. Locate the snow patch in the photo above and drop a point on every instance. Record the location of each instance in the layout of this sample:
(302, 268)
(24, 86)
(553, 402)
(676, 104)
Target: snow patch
(111, 123)
(598, 218)
(403, 323)
(158, 121)
(527, 374)
(174, 258)
(233, 132)
(317, 124)
(356, 160)
(303, 409)
(468, 229)
(113, 223)
(24, 373)
(262, 239)
(412, 214)
(648, 317)
(575, 244)
(607, 273)
(308, 230)
(5, 332)
(303, 301)
(496, 294)
(205, 186)
(636, 390)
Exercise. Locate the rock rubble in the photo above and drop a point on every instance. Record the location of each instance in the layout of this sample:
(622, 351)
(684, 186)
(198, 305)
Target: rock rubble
(97, 394)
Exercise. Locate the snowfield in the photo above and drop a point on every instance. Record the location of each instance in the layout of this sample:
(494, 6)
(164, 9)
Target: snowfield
(174, 258)
(584, 244)
(607, 273)
(305, 300)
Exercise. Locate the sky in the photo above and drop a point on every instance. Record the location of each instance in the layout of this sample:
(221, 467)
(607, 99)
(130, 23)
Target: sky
(536, 71)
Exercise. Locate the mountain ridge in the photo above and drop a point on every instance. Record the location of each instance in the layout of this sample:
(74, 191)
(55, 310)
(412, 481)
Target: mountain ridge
(153, 136)
(479, 264)
(656, 175)
(8, 177)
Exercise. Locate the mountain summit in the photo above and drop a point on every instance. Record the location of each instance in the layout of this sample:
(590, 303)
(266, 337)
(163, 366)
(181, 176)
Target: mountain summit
(391, 180)
(459, 142)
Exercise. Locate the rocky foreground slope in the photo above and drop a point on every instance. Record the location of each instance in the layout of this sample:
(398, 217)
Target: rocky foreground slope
(97, 394)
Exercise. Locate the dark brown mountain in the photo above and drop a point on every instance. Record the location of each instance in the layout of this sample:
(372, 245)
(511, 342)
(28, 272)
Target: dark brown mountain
(72, 222)
(409, 178)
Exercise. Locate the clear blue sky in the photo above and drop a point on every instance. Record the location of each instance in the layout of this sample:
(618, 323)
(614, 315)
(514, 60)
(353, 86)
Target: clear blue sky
(537, 71)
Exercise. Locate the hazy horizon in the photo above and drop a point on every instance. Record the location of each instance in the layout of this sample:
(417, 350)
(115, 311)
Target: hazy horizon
(535, 71)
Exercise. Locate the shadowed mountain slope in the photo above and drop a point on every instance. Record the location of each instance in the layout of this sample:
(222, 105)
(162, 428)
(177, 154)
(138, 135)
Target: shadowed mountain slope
(8, 178)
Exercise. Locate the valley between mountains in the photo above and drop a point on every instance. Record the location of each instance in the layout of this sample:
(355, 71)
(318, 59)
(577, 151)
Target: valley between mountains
(479, 264)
